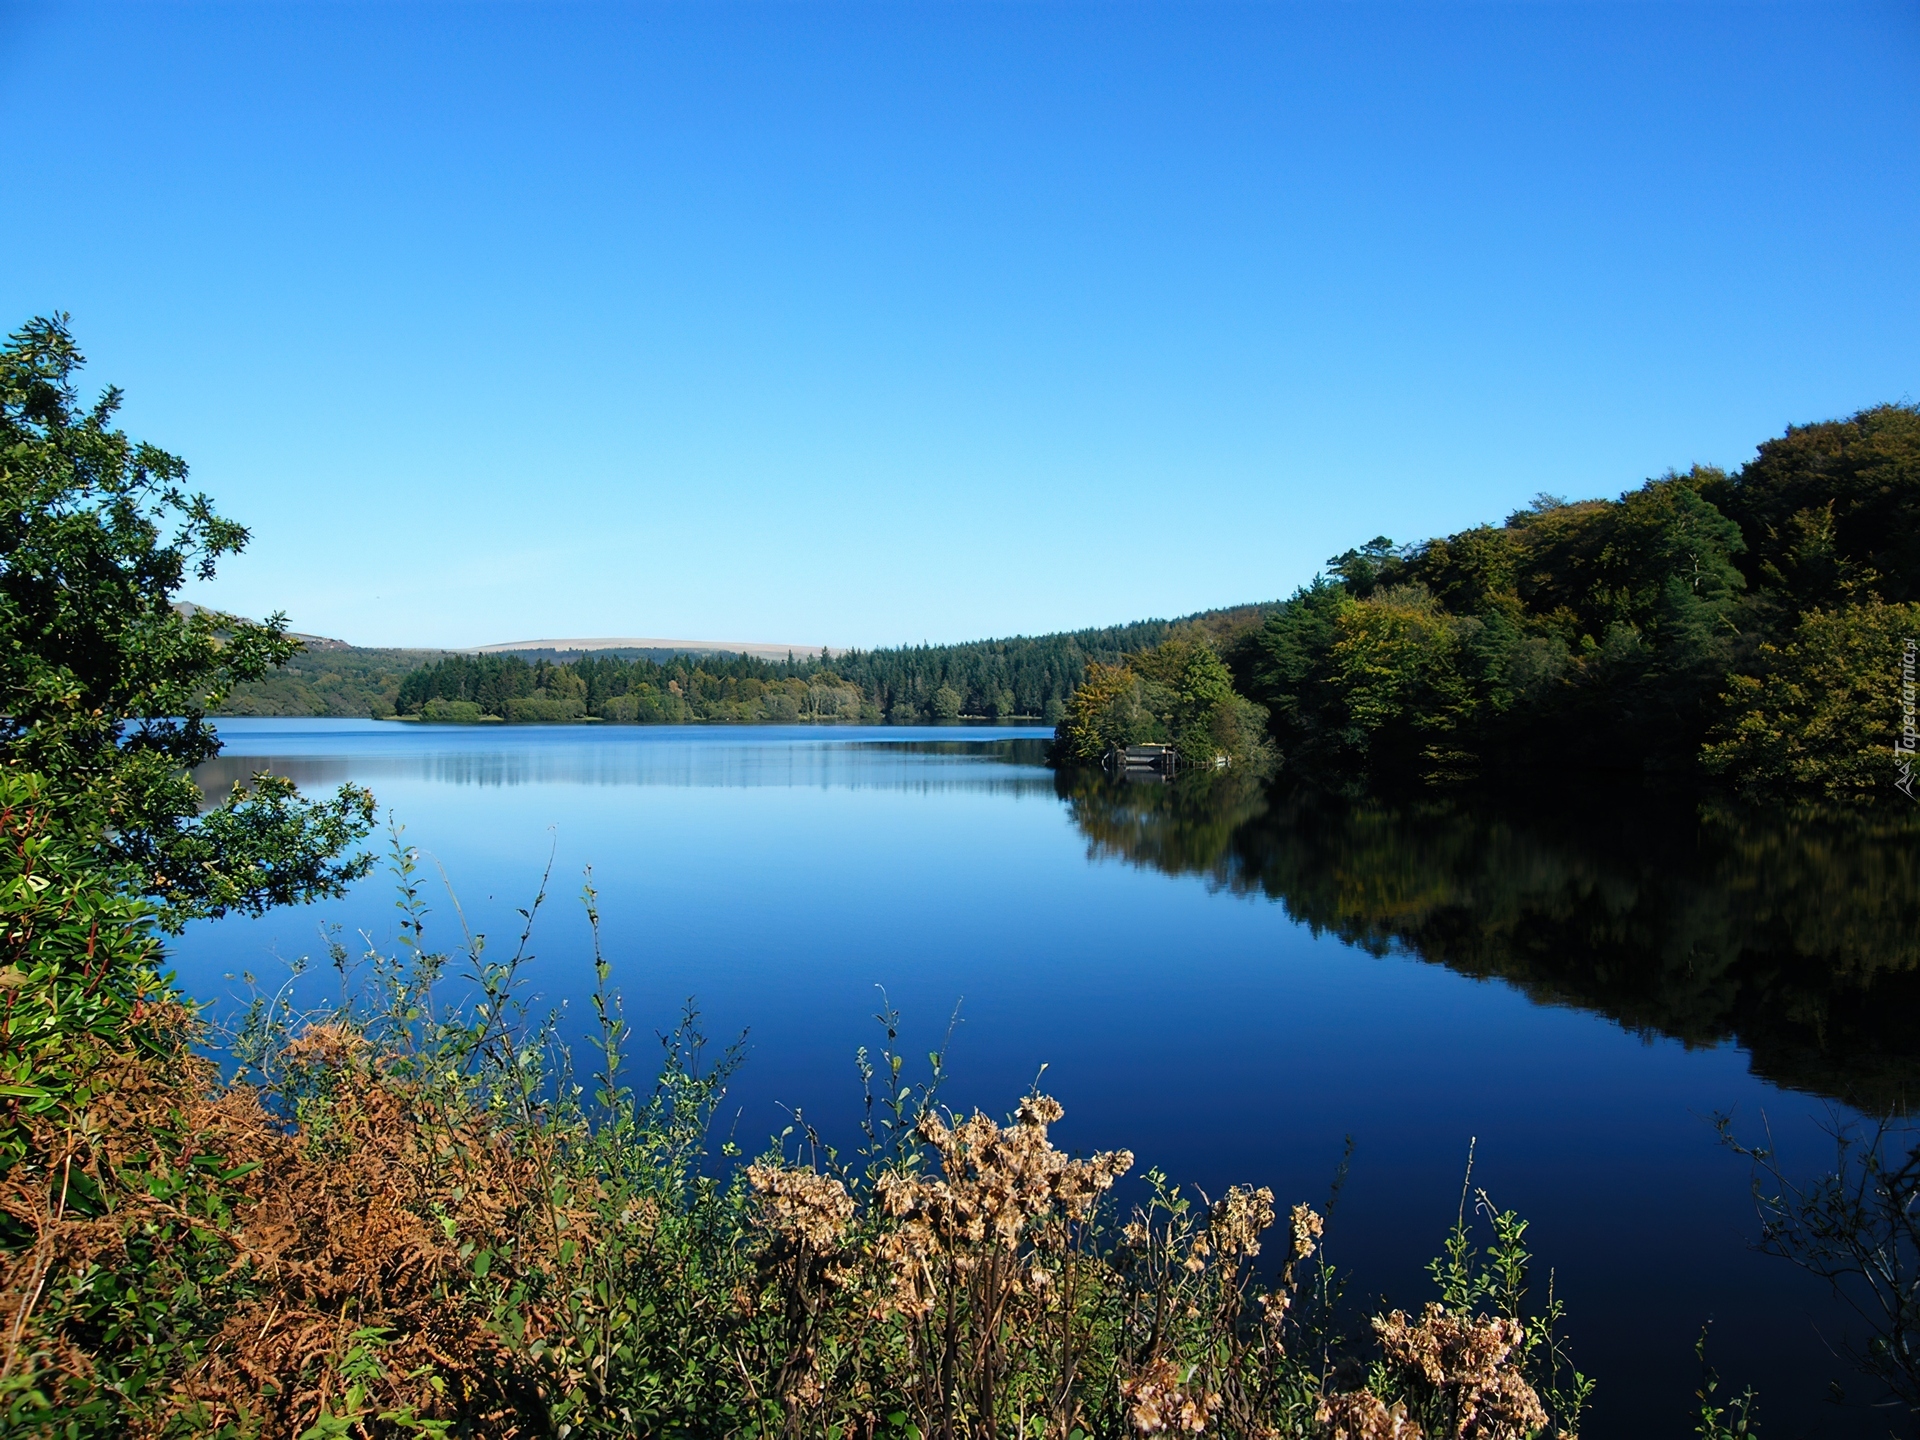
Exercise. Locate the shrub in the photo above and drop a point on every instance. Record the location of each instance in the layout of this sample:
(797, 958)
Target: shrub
(540, 707)
(456, 712)
(644, 706)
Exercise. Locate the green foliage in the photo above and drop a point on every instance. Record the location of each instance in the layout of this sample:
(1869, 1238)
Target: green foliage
(488, 681)
(1824, 715)
(1498, 1283)
(1397, 664)
(77, 962)
(1285, 660)
(1715, 1421)
(1673, 631)
(104, 682)
(454, 712)
(342, 680)
(1107, 710)
(1828, 508)
(534, 709)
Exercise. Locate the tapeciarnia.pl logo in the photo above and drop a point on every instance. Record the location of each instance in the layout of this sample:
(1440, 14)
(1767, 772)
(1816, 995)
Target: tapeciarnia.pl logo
(1903, 747)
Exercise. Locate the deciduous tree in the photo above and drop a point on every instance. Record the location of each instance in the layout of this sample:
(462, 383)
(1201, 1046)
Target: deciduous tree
(105, 681)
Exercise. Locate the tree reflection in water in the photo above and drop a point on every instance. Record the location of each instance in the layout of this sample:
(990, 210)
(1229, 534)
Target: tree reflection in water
(1790, 932)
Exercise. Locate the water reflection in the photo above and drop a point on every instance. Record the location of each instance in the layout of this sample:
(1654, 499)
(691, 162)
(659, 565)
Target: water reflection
(1790, 933)
(483, 757)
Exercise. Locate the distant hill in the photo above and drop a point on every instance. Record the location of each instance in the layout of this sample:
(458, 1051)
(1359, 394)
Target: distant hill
(333, 677)
(312, 642)
(654, 649)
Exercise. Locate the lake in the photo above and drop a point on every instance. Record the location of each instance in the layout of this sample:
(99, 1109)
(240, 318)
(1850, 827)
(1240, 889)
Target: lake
(1225, 981)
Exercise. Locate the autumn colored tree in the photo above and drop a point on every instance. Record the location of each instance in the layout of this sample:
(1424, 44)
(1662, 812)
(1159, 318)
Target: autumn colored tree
(1825, 714)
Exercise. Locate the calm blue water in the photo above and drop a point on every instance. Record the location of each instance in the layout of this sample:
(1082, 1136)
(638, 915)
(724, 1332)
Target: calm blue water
(780, 875)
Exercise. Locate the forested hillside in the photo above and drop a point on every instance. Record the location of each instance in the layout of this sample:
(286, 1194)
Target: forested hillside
(1749, 626)
(335, 681)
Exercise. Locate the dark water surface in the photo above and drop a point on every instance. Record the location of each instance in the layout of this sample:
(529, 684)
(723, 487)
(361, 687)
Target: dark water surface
(1226, 983)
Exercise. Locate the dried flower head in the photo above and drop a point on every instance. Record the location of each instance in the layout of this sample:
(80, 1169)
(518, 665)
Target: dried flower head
(325, 1047)
(1363, 1415)
(1235, 1223)
(642, 1216)
(806, 1392)
(1000, 1189)
(1158, 1399)
(808, 1210)
(1307, 1230)
(1040, 1110)
(1474, 1361)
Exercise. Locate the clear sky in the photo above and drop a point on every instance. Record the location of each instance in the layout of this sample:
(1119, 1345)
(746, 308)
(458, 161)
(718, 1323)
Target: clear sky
(865, 324)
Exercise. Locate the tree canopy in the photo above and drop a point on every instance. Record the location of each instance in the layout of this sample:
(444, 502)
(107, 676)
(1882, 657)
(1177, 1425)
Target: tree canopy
(1746, 626)
(105, 682)
(1020, 678)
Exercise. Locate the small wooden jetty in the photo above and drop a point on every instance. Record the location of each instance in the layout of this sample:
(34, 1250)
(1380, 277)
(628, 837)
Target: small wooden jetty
(1143, 760)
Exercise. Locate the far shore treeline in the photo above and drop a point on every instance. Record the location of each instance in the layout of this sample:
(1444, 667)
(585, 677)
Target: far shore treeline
(1752, 629)
(1018, 679)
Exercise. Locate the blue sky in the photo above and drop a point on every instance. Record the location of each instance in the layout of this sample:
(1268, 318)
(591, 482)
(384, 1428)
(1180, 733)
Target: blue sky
(868, 324)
